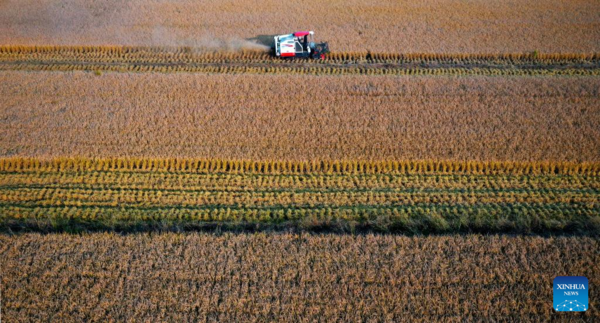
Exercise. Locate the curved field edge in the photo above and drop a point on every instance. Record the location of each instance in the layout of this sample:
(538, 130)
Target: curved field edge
(235, 277)
(401, 197)
(156, 59)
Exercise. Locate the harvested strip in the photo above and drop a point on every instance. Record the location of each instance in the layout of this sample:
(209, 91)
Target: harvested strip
(389, 196)
(238, 277)
(151, 180)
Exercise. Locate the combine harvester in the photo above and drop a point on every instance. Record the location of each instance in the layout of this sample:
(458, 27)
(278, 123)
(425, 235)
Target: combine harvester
(300, 44)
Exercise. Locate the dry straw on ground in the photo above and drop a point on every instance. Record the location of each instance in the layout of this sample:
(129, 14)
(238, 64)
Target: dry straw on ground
(416, 197)
(294, 278)
(431, 26)
(265, 117)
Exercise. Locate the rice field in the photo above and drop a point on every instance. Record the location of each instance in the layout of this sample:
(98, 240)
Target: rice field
(427, 26)
(290, 277)
(192, 60)
(442, 163)
(246, 117)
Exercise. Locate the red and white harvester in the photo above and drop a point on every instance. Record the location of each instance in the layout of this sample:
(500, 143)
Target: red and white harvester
(300, 44)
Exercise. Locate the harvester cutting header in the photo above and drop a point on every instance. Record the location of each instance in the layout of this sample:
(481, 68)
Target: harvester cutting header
(300, 44)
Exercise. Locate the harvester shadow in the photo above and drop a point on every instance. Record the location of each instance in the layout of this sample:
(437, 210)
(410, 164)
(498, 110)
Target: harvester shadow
(77, 226)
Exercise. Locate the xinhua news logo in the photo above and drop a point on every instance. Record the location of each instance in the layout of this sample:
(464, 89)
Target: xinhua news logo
(570, 294)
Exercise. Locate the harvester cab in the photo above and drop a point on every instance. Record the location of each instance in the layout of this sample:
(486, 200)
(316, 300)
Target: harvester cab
(300, 44)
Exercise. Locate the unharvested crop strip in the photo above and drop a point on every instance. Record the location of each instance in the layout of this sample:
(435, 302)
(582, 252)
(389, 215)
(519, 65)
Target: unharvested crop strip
(156, 59)
(298, 167)
(342, 56)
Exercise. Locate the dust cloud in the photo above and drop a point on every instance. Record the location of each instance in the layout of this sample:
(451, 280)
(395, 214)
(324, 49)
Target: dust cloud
(164, 36)
(77, 22)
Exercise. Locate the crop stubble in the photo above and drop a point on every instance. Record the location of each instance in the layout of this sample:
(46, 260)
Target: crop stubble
(285, 277)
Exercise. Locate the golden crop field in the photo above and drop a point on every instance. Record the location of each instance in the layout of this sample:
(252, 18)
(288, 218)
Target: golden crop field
(290, 278)
(159, 163)
(300, 117)
(187, 59)
(397, 26)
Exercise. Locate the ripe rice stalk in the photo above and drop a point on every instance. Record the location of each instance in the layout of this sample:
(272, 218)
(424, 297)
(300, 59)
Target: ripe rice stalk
(20, 164)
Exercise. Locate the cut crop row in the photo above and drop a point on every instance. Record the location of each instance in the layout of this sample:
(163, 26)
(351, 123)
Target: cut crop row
(323, 182)
(397, 196)
(161, 68)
